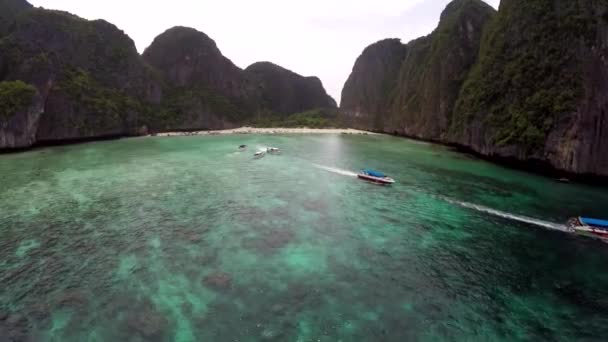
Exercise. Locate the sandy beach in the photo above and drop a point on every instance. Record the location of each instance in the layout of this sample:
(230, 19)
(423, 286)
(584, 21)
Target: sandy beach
(254, 130)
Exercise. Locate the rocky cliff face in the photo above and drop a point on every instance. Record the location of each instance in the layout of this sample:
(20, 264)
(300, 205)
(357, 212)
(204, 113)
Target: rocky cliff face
(187, 57)
(88, 75)
(80, 79)
(411, 89)
(531, 88)
(203, 88)
(9, 9)
(435, 68)
(539, 90)
(285, 92)
(20, 109)
(366, 94)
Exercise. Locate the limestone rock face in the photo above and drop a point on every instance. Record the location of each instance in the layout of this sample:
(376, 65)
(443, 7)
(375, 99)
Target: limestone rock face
(90, 80)
(21, 106)
(366, 94)
(411, 89)
(186, 57)
(539, 90)
(87, 81)
(527, 83)
(9, 9)
(285, 92)
(204, 89)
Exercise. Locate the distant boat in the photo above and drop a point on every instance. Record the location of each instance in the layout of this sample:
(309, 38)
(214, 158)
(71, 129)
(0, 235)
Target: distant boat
(590, 227)
(564, 180)
(259, 154)
(375, 177)
(242, 147)
(273, 150)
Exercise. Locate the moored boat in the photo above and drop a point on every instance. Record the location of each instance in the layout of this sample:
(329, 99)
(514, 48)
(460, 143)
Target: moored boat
(375, 177)
(259, 154)
(273, 150)
(590, 227)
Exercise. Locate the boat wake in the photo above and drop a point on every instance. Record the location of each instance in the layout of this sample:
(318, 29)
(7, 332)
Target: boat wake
(336, 170)
(520, 218)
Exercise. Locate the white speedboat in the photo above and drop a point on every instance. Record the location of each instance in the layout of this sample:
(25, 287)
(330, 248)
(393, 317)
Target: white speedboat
(259, 154)
(273, 150)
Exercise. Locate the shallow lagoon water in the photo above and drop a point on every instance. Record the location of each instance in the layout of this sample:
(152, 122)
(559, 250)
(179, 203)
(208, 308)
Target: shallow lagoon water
(186, 239)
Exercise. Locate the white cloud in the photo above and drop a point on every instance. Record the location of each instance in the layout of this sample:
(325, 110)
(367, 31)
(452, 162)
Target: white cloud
(314, 37)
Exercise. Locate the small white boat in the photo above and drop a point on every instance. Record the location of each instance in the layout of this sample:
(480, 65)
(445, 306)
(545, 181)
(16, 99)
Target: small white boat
(375, 177)
(273, 150)
(259, 154)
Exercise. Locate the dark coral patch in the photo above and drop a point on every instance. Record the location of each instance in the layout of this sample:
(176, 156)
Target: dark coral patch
(218, 281)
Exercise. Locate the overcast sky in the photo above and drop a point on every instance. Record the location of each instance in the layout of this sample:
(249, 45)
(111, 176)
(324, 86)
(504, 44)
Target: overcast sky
(312, 37)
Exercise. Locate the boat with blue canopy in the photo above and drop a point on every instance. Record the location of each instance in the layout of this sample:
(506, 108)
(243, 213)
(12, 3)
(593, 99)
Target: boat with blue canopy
(591, 227)
(375, 177)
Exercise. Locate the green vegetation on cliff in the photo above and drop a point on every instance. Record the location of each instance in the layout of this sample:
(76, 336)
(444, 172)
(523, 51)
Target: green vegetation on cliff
(9, 9)
(15, 97)
(181, 105)
(529, 72)
(367, 92)
(435, 68)
(102, 107)
(315, 118)
(411, 89)
(527, 83)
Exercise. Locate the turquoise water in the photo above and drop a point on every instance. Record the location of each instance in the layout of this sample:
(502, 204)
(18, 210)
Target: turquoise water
(186, 239)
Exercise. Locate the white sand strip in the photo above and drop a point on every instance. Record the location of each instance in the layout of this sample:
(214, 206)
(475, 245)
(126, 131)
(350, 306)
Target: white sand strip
(254, 130)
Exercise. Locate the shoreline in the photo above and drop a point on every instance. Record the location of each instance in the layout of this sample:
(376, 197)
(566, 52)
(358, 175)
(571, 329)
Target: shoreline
(260, 130)
(537, 167)
(532, 166)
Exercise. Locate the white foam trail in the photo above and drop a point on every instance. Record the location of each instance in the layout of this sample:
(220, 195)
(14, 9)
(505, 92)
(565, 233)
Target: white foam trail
(336, 170)
(525, 219)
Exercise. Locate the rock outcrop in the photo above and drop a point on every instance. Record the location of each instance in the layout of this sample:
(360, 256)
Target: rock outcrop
(187, 57)
(540, 89)
(204, 89)
(285, 92)
(528, 83)
(9, 9)
(88, 76)
(366, 94)
(20, 109)
(411, 89)
(85, 80)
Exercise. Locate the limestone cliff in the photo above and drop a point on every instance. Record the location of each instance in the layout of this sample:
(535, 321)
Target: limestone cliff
(204, 89)
(63, 78)
(539, 91)
(89, 78)
(366, 94)
(528, 83)
(411, 89)
(9, 9)
(285, 92)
